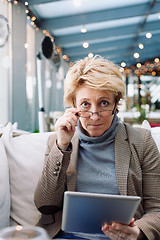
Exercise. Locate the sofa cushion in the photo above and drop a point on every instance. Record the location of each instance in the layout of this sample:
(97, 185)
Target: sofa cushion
(25, 157)
(4, 188)
(155, 131)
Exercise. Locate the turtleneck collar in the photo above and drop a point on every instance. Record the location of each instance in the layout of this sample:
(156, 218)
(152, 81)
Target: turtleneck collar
(108, 135)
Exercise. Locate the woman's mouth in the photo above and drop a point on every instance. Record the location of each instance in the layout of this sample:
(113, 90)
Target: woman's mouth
(95, 125)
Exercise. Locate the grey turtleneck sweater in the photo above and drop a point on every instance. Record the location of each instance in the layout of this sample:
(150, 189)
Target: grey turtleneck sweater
(96, 162)
(96, 167)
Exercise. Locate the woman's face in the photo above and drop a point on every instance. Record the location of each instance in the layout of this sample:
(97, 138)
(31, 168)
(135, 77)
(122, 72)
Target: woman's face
(95, 101)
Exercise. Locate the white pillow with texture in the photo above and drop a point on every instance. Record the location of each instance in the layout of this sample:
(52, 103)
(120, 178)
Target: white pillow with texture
(155, 131)
(4, 188)
(26, 157)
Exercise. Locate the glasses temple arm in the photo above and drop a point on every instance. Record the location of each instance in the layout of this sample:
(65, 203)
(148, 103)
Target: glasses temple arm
(114, 108)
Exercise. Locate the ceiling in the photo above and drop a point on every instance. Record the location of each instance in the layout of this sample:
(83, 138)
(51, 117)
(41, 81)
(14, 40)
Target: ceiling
(115, 28)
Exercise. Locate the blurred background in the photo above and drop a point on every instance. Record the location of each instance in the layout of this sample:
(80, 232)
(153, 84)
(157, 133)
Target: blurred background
(41, 39)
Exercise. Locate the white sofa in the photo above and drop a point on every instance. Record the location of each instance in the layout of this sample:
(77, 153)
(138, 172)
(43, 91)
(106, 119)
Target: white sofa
(21, 163)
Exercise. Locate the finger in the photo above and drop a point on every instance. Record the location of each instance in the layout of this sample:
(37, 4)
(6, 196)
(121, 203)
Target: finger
(115, 235)
(119, 227)
(71, 116)
(132, 223)
(110, 231)
(71, 110)
(123, 228)
(73, 122)
(105, 227)
(122, 235)
(68, 125)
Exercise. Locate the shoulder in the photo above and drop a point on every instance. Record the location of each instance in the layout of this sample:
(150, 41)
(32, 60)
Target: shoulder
(139, 139)
(133, 133)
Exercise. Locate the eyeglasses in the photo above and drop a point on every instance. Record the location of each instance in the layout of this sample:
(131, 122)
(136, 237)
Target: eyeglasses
(88, 114)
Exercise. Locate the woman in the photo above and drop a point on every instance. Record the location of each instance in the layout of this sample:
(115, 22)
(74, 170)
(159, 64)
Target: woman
(93, 152)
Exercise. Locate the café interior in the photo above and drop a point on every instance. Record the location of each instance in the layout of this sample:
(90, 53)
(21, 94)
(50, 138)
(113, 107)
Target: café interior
(41, 39)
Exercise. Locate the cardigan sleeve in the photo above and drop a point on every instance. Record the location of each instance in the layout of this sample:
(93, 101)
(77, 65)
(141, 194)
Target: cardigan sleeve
(149, 223)
(49, 192)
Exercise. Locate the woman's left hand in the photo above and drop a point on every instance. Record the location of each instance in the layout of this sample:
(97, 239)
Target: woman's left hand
(117, 231)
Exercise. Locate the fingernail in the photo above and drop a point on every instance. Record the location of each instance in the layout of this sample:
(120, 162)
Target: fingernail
(114, 225)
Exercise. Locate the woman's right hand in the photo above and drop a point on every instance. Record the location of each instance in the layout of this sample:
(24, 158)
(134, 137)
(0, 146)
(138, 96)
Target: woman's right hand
(65, 128)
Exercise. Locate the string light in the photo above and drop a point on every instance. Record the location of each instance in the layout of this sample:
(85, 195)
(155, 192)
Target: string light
(85, 44)
(44, 31)
(71, 64)
(123, 64)
(136, 55)
(59, 50)
(90, 55)
(138, 65)
(65, 57)
(151, 67)
(141, 46)
(121, 69)
(34, 23)
(148, 35)
(83, 30)
(33, 18)
(156, 60)
(15, 2)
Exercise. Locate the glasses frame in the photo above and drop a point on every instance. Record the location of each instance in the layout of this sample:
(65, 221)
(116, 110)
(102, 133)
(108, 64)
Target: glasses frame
(98, 113)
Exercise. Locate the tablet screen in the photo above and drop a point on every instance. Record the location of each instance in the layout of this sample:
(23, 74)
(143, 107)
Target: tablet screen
(87, 212)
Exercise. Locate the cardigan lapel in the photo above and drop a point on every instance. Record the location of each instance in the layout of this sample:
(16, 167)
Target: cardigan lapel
(122, 158)
(72, 168)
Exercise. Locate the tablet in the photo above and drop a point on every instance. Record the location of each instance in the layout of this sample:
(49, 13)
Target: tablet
(87, 212)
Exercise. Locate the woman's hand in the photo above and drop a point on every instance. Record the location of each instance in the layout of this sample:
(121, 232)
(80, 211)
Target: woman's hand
(117, 231)
(65, 127)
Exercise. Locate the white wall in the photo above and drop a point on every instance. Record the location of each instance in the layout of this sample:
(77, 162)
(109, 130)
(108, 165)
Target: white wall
(19, 60)
(5, 67)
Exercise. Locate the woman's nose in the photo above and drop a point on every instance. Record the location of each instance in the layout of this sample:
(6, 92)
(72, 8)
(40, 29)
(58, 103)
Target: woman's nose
(94, 110)
(95, 115)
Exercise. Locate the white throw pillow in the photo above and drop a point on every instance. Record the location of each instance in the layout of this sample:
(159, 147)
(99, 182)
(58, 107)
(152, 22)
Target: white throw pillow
(155, 131)
(26, 157)
(4, 188)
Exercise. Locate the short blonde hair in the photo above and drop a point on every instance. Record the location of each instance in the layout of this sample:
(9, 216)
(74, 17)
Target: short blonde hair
(97, 73)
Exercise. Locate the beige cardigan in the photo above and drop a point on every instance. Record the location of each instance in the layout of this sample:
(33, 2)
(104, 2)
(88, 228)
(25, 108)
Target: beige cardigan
(137, 162)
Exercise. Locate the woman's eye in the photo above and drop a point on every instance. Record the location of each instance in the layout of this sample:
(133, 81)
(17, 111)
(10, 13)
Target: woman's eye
(85, 104)
(104, 103)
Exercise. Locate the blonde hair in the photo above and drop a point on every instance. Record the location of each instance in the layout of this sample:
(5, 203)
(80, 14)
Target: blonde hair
(97, 73)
